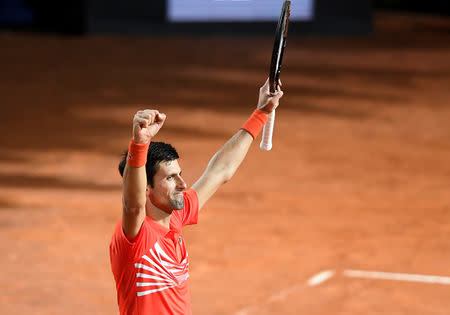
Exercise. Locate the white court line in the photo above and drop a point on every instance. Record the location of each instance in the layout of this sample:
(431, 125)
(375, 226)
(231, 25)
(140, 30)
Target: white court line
(396, 276)
(320, 277)
(246, 310)
(317, 279)
(325, 275)
(283, 293)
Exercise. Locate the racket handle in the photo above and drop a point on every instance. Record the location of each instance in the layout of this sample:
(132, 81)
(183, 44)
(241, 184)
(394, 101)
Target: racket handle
(266, 142)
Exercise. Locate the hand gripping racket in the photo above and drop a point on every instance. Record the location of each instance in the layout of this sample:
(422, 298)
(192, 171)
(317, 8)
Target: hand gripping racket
(275, 67)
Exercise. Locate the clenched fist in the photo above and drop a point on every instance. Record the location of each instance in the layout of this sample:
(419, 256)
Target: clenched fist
(146, 124)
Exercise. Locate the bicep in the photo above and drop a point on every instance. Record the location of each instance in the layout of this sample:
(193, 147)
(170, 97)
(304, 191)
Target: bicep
(133, 200)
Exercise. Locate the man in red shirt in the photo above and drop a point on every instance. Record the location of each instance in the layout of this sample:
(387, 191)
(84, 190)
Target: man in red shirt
(147, 251)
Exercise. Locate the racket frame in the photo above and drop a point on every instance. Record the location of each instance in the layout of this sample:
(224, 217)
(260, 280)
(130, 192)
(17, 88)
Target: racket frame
(275, 68)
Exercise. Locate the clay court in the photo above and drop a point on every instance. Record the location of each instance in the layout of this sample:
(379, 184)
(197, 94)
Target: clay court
(358, 179)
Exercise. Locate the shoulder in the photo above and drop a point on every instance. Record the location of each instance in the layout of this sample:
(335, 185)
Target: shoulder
(124, 251)
(120, 239)
(190, 198)
(189, 214)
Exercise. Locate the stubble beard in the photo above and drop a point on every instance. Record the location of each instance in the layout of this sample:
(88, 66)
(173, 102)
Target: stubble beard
(177, 202)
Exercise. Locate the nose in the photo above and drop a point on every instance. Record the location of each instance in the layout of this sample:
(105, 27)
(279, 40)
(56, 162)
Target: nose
(181, 184)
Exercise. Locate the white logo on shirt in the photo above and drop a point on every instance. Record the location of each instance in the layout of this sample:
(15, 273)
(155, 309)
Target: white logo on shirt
(159, 272)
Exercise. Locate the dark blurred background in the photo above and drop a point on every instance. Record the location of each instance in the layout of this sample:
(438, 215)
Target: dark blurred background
(150, 17)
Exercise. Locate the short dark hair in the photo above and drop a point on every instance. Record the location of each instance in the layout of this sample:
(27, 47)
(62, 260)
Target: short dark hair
(157, 152)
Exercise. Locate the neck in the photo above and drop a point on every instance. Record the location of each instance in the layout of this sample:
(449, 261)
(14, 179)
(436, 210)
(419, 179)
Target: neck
(157, 214)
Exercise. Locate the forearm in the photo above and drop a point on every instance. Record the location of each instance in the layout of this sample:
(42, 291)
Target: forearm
(230, 156)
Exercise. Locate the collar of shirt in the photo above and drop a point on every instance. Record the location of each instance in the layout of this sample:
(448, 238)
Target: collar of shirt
(171, 233)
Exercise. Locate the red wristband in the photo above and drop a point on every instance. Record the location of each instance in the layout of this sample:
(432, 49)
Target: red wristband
(137, 154)
(255, 123)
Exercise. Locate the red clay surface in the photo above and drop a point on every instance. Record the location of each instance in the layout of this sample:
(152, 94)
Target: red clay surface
(359, 176)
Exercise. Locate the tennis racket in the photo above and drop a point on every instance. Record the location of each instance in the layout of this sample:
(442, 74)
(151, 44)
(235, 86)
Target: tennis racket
(275, 67)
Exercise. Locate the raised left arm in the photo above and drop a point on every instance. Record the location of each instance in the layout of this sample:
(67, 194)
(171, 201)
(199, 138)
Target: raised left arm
(226, 161)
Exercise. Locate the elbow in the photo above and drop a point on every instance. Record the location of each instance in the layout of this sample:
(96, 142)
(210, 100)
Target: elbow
(225, 180)
(222, 171)
(133, 212)
(227, 172)
(132, 208)
(226, 176)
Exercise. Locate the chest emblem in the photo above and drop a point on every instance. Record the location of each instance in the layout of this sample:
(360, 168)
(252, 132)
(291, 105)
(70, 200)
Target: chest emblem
(157, 271)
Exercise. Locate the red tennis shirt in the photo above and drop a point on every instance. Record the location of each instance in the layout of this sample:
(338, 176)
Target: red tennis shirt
(151, 272)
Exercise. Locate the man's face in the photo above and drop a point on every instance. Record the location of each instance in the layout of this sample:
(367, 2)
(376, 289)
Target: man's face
(167, 193)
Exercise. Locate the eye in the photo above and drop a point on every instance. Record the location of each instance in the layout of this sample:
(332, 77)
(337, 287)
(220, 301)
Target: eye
(170, 177)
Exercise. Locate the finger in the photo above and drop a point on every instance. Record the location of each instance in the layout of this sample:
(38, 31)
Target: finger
(150, 116)
(143, 113)
(155, 114)
(276, 92)
(149, 111)
(160, 118)
(278, 95)
(265, 87)
(140, 118)
(142, 121)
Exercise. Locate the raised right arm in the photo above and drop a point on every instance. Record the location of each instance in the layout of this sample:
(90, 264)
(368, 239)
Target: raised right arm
(146, 124)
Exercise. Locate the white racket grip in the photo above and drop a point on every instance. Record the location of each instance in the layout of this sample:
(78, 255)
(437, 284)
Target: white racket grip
(266, 141)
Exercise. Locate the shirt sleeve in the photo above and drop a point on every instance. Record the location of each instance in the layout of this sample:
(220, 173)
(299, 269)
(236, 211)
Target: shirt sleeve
(125, 250)
(190, 211)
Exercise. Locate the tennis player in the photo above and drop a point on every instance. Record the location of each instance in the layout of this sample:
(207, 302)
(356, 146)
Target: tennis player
(147, 251)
